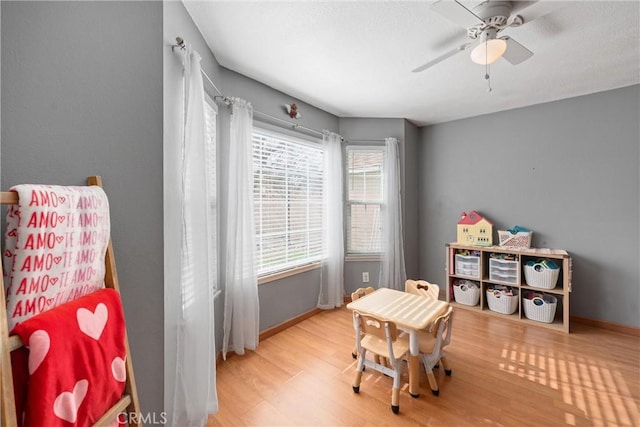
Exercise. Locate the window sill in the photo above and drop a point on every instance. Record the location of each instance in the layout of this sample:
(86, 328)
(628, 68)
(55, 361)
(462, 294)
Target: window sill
(287, 273)
(362, 257)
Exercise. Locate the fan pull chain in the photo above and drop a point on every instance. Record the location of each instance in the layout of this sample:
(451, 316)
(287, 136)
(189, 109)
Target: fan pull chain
(487, 77)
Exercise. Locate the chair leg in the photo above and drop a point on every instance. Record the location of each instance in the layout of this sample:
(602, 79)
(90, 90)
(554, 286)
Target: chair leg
(396, 365)
(356, 381)
(358, 377)
(395, 400)
(445, 365)
(433, 383)
(414, 374)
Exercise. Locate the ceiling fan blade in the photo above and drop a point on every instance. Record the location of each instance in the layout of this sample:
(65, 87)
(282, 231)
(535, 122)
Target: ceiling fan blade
(532, 10)
(442, 57)
(456, 12)
(515, 53)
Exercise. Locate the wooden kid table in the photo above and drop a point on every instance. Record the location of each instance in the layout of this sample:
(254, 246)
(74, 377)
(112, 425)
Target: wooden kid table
(409, 312)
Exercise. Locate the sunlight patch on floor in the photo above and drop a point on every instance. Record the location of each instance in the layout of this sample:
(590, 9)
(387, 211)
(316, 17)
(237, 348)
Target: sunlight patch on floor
(588, 385)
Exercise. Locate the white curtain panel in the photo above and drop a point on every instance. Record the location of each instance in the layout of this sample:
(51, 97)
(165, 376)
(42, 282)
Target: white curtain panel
(241, 307)
(194, 394)
(332, 268)
(392, 270)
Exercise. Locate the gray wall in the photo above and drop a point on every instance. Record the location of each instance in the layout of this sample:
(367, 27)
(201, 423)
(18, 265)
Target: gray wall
(270, 101)
(411, 199)
(287, 298)
(82, 95)
(568, 170)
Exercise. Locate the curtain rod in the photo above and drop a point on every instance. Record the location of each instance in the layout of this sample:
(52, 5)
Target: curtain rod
(366, 140)
(210, 81)
(181, 45)
(229, 101)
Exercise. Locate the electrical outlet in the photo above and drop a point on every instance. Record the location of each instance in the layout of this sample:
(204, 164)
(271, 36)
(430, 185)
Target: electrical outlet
(365, 277)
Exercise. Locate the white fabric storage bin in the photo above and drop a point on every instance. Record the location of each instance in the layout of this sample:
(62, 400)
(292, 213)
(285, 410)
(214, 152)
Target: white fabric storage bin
(541, 277)
(501, 303)
(466, 292)
(540, 309)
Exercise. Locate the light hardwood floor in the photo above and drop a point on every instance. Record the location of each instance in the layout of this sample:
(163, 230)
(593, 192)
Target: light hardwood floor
(504, 374)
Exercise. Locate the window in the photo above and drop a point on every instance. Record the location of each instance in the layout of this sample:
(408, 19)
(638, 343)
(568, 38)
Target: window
(364, 200)
(287, 188)
(211, 115)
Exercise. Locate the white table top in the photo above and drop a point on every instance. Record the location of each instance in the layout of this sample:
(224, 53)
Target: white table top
(406, 310)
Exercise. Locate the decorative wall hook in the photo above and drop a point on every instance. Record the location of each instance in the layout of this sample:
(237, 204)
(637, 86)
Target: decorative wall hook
(292, 110)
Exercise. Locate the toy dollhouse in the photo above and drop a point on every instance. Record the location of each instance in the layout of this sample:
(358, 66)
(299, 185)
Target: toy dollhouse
(475, 230)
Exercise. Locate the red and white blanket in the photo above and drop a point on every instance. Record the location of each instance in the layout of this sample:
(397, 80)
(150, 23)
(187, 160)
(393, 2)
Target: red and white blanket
(73, 368)
(55, 244)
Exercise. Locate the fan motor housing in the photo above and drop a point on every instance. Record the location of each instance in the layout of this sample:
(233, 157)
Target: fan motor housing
(495, 14)
(490, 9)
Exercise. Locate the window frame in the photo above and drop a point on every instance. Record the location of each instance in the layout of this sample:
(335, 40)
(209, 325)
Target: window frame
(351, 255)
(307, 264)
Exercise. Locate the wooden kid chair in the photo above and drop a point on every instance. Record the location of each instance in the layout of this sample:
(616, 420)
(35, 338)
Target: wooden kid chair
(432, 344)
(421, 287)
(381, 338)
(358, 293)
(129, 400)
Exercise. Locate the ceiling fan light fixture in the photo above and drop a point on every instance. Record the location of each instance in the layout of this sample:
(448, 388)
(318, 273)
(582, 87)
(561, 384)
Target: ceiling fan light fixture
(488, 51)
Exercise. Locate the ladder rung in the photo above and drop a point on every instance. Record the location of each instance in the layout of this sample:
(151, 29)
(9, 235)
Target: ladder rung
(113, 412)
(14, 342)
(9, 198)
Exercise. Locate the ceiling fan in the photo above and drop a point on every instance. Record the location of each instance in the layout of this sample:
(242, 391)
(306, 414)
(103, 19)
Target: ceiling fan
(484, 23)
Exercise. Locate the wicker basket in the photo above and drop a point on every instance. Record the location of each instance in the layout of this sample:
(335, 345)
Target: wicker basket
(540, 309)
(504, 304)
(465, 294)
(522, 239)
(541, 277)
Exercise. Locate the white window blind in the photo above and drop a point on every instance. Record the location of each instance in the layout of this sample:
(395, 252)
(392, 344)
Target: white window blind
(211, 170)
(287, 176)
(364, 199)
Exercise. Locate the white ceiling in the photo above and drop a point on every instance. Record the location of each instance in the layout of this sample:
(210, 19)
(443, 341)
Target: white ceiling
(354, 58)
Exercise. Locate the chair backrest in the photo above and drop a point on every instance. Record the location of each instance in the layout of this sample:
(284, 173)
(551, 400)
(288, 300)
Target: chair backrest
(422, 287)
(360, 292)
(382, 329)
(371, 325)
(442, 326)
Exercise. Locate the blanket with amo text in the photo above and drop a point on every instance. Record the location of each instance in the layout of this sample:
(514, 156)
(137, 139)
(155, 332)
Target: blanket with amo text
(55, 243)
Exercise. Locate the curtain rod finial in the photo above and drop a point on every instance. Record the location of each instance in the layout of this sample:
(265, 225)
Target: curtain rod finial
(179, 43)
